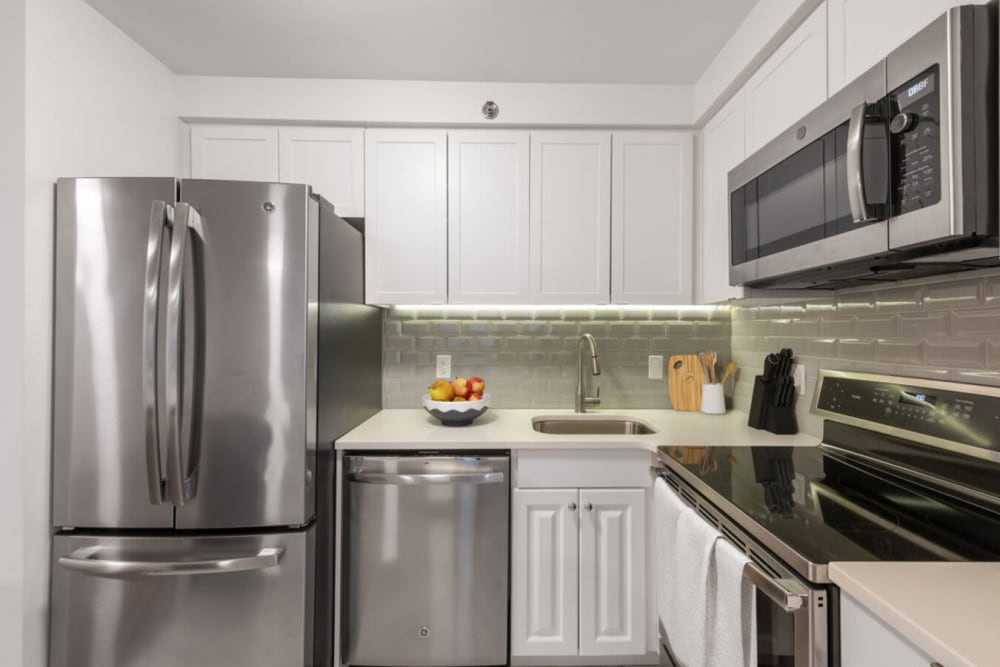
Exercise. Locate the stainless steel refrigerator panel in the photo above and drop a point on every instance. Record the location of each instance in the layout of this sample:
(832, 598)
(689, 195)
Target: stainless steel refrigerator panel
(101, 477)
(427, 550)
(350, 333)
(254, 465)
(234, 601)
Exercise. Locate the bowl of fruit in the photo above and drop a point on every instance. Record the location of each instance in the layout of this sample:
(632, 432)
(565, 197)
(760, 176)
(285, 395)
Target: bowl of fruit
(459, 402)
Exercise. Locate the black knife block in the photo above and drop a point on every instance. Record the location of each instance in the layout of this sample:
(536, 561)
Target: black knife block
(766, 415)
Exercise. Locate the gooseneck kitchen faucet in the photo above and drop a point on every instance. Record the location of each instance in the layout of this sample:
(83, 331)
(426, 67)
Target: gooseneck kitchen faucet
(582, 400)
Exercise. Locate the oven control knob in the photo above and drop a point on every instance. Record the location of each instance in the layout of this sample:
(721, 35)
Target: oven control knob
(901, 122)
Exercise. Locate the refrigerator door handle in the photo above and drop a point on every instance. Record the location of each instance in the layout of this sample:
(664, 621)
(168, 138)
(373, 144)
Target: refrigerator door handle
(85, 560)
(160, 216)
(182, 478)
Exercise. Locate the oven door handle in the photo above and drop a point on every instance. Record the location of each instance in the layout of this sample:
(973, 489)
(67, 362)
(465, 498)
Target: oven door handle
(788, 594)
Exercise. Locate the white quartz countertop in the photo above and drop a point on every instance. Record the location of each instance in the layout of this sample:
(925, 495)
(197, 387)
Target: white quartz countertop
(511, 429)
(948, 610)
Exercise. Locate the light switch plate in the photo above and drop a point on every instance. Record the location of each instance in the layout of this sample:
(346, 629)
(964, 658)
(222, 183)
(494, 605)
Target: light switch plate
(443, 363)
(799, 375)
(656, 367)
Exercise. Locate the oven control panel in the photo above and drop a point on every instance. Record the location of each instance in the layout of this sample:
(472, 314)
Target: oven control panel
(959, 416)
(914, 125)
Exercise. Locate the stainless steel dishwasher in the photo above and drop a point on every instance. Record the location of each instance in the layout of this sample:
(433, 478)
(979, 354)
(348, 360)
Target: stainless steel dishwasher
(426, 560)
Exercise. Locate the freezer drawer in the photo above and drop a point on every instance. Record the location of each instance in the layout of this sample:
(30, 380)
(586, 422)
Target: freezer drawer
(427, 550)
(232, 601)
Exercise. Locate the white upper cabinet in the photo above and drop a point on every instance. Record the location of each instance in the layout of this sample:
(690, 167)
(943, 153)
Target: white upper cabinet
(331, 160)
(488, 217)
(234, 152)
(790, 84)
(651, 217)
(723, 147)
(570, 217)
(613, 588)
(863, 31)
(406, 217)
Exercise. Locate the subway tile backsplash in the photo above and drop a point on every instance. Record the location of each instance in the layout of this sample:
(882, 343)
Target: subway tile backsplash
(529, 356)
(945, 329)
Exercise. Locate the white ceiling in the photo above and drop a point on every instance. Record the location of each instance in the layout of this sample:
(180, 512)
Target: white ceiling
(544, 41)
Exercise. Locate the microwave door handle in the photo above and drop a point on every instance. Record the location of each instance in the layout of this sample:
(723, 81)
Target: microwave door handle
(788, 594)
(187, 224)
(860, 211)
(160, 216)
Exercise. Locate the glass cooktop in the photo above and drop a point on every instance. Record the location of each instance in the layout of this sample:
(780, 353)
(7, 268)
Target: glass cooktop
(827, 505)
(909, 470)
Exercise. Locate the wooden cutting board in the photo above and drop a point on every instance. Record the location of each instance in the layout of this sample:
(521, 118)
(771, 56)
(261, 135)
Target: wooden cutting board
(684, 379)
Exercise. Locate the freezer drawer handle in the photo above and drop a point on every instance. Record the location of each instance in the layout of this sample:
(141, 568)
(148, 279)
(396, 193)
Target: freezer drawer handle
(788, 594)
(86, 561)
(398, 479)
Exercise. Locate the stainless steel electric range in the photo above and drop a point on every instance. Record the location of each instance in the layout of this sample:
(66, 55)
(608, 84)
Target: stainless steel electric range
(908, 470)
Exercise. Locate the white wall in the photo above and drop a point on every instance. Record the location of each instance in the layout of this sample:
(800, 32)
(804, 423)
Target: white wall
(97, 104)
(11, 335)
(366, 102)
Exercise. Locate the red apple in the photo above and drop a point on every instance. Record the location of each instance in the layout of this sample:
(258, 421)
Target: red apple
(477, 384)
(461, 387)
(475, 397)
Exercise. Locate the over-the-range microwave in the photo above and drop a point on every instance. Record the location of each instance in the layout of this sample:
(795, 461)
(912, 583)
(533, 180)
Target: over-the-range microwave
(893, 177)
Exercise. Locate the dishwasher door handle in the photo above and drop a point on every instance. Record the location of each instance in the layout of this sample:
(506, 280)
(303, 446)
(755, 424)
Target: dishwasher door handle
(402, 479)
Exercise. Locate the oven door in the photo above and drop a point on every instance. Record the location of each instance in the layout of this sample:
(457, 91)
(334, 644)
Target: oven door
(792, 619)
(818, 194)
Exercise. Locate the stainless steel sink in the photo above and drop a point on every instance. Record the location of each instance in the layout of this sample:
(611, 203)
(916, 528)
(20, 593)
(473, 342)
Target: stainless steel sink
(602, 425)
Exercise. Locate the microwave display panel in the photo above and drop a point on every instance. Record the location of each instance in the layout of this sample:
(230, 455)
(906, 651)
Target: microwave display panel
(916, 143)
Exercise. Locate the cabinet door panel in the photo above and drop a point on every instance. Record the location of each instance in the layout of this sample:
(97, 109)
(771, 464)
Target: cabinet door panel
(487, 217)
(570, 217)
(331, 160)
(790, 84)
(612, 572)
(723, 148)
(544, 575)
(234, 152)
(651, 217)
(865, 641)
(406, 223)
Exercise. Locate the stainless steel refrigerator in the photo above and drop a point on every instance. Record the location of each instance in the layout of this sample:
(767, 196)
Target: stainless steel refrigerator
(210, 339)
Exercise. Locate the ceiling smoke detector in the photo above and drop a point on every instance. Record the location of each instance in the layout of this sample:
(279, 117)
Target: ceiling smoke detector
(490, 110)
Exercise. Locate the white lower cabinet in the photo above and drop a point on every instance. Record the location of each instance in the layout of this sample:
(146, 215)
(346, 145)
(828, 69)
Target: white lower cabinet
(865, 641)
(578, 575)
(612, 571)
(544, 567)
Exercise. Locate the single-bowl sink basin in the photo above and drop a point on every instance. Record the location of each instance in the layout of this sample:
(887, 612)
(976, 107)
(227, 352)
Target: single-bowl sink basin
(591, 425)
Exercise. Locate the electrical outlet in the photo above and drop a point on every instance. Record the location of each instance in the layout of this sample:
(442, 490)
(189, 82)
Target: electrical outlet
(799, 374)
(443, 362)
(656, 367)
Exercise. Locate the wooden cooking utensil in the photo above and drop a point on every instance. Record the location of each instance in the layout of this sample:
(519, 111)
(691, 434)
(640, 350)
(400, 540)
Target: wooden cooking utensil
(730, 369)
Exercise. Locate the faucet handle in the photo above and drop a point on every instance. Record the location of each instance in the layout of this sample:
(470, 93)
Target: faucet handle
(598, 394)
